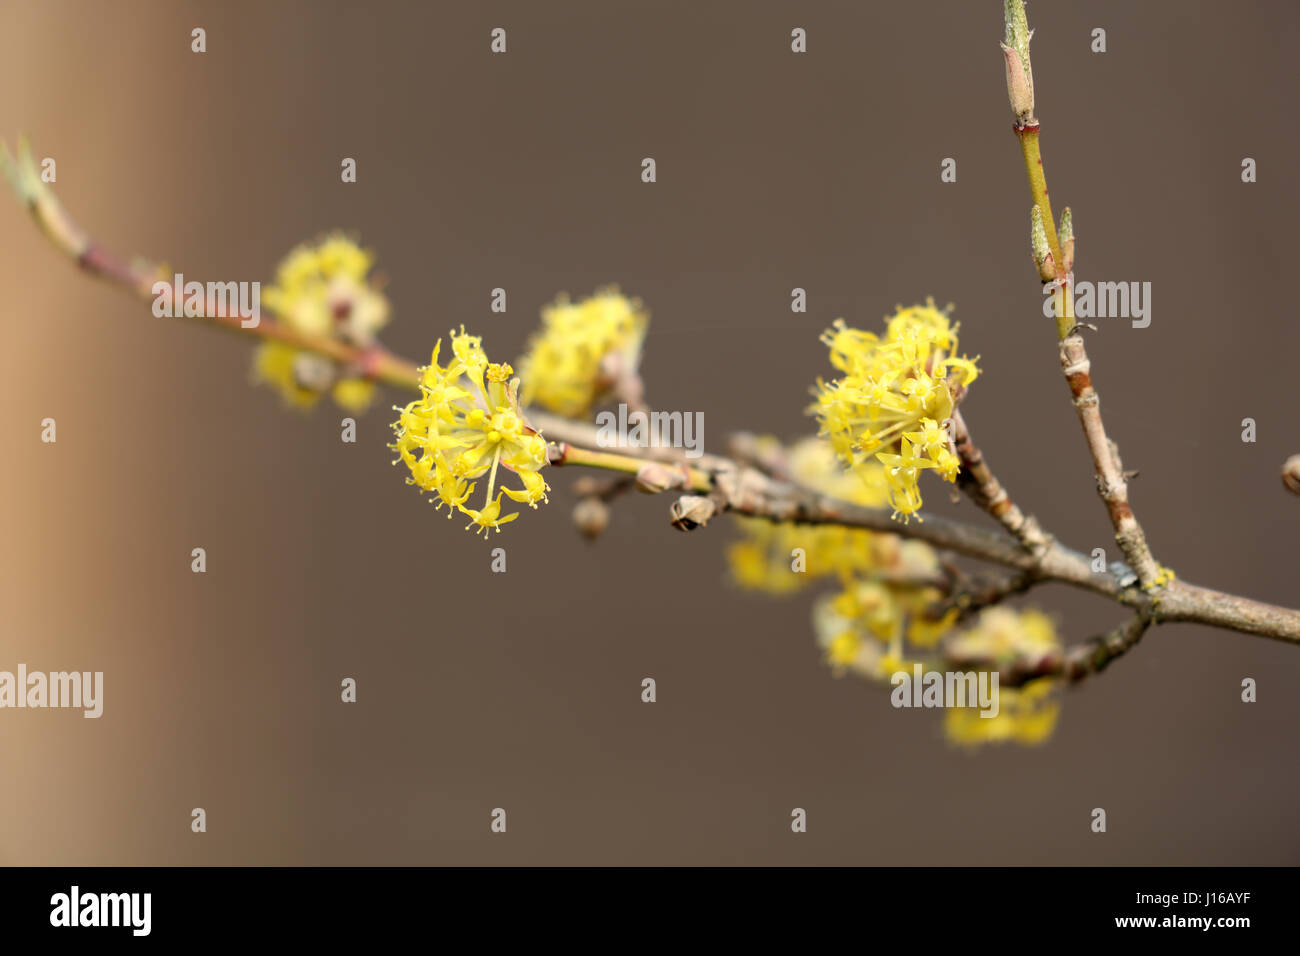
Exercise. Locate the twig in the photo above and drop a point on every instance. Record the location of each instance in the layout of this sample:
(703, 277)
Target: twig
(722, 482)
(983, 487)
(752, 493)
(1073, 663)
(1058, 260)
(1112, 485)
(1095, 654)
(970, 596)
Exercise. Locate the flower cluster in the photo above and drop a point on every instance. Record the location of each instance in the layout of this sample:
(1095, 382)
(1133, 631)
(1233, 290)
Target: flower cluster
(1006, 639)
(893, 401)
(322, 291)
(1026, 715)
(883, 599)
(581, 350)
(887, 612)
(762, 558)
(466, 424)
(1003, 637)
(868, 626)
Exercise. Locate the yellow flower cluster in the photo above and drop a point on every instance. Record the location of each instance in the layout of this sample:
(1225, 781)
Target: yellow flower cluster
(867, 626)
(1002, 636)
(764, 558)
(580, 350)
(322, 290)
(894, 398)
(467, 423)
(1027, 714)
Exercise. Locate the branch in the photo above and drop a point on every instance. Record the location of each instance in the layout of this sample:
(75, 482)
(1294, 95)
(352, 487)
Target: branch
(1073, 663)
(969, 596)
(1112, 484)
(749, 492)
(983, 487)
(1055, 261)
(721, 484)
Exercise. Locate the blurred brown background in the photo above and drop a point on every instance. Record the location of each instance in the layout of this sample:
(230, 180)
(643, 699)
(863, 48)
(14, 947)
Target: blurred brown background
(522, 690)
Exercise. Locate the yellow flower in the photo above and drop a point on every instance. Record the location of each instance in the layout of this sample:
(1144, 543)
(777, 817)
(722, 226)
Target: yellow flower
(277, 365)
(844, 644)
(353, 394)
(580, 349)
(849, 648)
(322, 291)
(1003, 636)
(893, 400)
(1000, 638)
(466, 424)
(764, 559)
(1026, 715)
(877, 601)
(814, 464)
(869, 626)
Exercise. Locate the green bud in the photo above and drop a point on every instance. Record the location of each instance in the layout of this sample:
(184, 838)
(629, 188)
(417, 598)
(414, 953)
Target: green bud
(1066, 236)
(1038, 242)
(1020, 75)
(1066, 231)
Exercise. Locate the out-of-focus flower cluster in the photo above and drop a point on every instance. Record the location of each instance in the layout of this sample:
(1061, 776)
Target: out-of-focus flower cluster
(762, 559)
(1026, 715)
(323, 291)
(872, 626)
(1003, 638)
(884, 614)
(466, 424)
(891, 404)
(581, 349)
(879, 606)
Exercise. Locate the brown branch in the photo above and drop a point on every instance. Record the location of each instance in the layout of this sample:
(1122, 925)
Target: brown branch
(720, 483)
(1056, 258)
(970, 596)
(1073, 663)
(1095, 654)
(979, 483)
(1112, 484)
(749, 492)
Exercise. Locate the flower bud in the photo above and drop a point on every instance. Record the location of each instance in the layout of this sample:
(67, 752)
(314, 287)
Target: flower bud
(1020, 75)
(1291, 474)
(1067, 240)
(692, 511)
(313, 372)
(1038, 243)
(591, 516)
(655, 478)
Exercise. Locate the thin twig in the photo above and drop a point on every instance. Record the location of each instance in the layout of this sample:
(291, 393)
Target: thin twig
(979, 483)
(1073, 663)
(969, 596)
(1095, 654)
(1111, 483)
